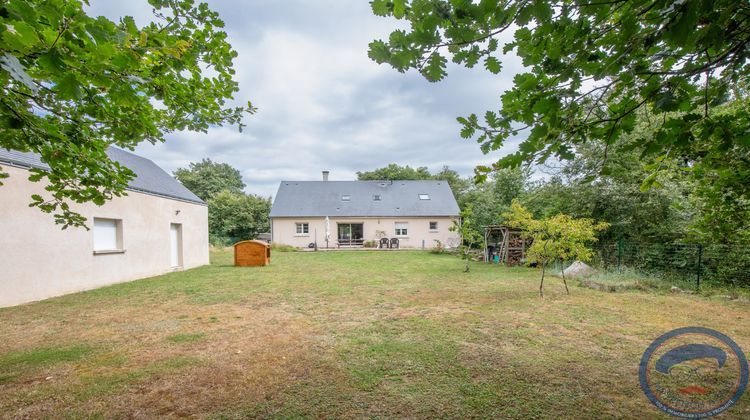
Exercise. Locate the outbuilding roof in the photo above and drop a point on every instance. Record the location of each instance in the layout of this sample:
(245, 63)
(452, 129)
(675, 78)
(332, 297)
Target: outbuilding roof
(149, 177)
(364, 199)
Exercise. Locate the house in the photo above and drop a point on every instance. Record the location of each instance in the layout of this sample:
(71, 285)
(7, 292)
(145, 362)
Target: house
(417, 213)
(159, 226)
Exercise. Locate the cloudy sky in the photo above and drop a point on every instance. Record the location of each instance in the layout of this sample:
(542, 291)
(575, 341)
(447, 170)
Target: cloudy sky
(323, 104)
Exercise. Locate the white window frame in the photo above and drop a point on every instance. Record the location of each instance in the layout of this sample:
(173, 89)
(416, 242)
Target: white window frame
(107, 236)
(424, 196)
(435, 229)
(401, 229)
(302, 229)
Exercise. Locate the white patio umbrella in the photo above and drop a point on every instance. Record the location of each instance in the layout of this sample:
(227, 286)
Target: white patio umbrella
(328, 230)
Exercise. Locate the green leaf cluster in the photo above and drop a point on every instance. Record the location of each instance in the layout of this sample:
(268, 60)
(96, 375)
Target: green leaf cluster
(74, 84)
(233, 217)
(592, 70)
(207, 178)
(559, 237)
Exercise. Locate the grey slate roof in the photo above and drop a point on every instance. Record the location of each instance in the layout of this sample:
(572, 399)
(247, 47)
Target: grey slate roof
(397, 198)
(150, 178)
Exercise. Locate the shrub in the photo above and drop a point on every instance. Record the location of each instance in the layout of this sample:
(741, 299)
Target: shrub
(282, 247)
(370, 244)
(439, 248)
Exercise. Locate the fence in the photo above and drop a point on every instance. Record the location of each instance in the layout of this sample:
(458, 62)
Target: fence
(723, 265)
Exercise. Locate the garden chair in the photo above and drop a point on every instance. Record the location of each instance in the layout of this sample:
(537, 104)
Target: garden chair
(384, 243)
(394, 243)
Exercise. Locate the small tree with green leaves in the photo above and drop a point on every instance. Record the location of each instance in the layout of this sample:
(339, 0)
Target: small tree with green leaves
(466, 227)
(559, 237)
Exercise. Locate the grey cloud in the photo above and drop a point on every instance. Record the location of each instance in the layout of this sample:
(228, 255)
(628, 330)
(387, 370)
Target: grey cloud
(323, 103)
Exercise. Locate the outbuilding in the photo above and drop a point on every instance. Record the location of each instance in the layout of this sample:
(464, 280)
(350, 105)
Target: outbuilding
(158, 227)
(252, 253)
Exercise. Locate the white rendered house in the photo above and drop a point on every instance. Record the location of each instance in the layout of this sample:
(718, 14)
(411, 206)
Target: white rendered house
(417, 213)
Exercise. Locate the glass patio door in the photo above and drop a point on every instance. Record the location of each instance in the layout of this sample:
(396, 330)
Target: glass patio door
(351, 233)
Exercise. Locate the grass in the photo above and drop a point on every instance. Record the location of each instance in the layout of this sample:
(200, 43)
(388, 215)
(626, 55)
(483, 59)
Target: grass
(283, 247)
(629, 279)
(617, 281)
(186, 338)
(344, 334)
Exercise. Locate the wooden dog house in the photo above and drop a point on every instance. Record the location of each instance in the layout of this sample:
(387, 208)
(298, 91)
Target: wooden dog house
(252, 253)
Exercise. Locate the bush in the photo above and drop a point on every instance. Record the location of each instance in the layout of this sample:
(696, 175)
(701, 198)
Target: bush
(220, 241)
(439, 248)
(275, 246)
(625, 279)
(370, 244)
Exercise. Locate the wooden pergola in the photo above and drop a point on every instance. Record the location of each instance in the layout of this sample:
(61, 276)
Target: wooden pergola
(510, 245)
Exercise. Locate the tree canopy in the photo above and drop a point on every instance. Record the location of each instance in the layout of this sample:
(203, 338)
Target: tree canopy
(206, 178)
(591, 68)
(394, 172)
(74, 84)
(233, 215)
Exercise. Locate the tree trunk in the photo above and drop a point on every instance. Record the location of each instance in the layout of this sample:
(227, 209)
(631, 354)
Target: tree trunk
(466, 267)
(544, 266)
(541, 285)
(562, 264)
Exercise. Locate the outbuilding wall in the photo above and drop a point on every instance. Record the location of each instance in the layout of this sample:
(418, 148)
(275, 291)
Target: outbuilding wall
(419, 233)
(39, 260)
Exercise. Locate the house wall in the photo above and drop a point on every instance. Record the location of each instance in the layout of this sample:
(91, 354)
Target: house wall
(284, 230)
(39, 260)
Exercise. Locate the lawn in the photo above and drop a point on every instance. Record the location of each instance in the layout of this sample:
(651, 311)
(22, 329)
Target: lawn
(344, 334)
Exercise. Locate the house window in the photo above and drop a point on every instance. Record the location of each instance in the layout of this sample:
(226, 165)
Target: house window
(303, 228)
(376, 197)
(107, 235)
(433, 226)
(346, 197)
(424, 196)
(402, 228)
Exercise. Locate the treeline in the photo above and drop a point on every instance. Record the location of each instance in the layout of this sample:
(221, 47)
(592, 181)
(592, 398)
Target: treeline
(233, 215)
(642, 203)
(604, 185)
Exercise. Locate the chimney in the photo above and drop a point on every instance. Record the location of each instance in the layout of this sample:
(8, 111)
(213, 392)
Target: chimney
(325, 175)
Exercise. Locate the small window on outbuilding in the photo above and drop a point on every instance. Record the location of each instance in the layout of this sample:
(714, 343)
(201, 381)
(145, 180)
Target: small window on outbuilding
(424, 196)
(376, 197)
(346, 197)
(107, 235)
(302, 228)
(433, 226)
